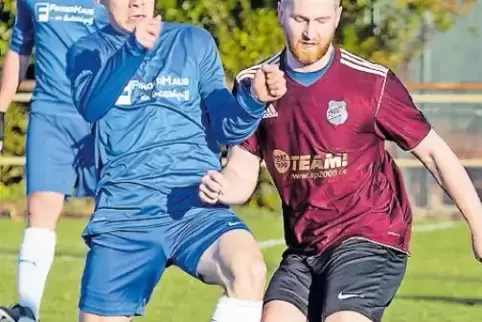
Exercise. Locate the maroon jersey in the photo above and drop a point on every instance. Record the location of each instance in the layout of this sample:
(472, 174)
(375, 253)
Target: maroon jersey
(323, 145)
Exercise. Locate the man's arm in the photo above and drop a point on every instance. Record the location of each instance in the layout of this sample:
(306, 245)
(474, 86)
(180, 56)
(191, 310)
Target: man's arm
(14, 69)
(238, 179)
(399, 120)
(16, 60)
(232, 118)
(446, 168)
(98, 81)
(15, 63)
(241, 173)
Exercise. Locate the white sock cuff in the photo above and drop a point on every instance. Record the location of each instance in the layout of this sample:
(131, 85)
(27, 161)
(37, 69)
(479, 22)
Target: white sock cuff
(38, 242)
(235, 310)
(229, 301)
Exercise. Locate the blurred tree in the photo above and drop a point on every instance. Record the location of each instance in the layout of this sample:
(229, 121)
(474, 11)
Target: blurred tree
(386, 31)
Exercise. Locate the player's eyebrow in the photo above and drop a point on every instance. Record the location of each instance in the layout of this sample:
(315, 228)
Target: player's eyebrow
(295, 15)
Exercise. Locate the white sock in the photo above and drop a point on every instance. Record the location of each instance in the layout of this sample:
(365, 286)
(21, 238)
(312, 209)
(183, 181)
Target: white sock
(35, 259)
(234, 310)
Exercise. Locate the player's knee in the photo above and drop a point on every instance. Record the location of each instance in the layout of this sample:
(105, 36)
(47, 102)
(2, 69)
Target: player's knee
(347, 316)
(248, 277)
(44, 209)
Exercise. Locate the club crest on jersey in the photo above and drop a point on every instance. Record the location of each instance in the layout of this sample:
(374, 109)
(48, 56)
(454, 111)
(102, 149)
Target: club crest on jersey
(337, 113)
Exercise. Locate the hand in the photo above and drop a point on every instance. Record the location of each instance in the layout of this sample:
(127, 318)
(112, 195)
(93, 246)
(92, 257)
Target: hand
(148, 30)
(268, 84)
(212, 186)
(477, 246)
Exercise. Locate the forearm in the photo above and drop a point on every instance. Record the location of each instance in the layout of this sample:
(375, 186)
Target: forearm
(453, 178)
(234, 118)
(102, 91)
(14, 70)
(239, 189)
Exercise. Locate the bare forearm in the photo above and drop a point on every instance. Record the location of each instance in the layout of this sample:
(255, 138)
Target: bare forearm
(453, 178)
(240, 188)
(14, 70)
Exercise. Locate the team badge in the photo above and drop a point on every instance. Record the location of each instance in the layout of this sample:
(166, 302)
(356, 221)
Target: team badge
(337, 113)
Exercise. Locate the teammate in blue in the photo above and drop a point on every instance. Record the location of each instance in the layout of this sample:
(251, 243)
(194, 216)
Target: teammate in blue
(156, 96)
(59, 147)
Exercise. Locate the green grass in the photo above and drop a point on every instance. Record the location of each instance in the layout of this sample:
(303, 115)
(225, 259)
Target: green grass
(442, 276)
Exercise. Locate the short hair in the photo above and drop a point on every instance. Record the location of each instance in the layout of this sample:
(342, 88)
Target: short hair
(283, 2)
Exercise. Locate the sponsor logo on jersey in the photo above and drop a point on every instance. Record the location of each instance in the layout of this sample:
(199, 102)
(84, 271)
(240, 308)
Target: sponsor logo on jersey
(310, 166)
(164, 86)
(50, 12)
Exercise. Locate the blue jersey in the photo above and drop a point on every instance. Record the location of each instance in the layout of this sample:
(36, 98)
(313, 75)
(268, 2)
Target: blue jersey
(53, 26)
(158, 118)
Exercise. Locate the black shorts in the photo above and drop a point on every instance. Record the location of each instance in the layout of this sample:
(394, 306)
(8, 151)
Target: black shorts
(357, 275)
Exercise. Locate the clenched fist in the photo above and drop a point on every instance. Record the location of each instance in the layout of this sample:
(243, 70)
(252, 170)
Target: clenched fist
(212, 186)
(268, 84)
(148, 30)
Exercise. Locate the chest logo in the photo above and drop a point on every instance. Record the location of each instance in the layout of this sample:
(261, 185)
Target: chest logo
(337, 113)
(270, 112)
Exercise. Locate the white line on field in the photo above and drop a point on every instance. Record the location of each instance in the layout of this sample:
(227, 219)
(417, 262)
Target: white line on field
(416, 229)
(263, 244)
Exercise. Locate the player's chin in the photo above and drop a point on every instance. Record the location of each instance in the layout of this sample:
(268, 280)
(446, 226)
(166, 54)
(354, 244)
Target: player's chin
(309, 56)
(131, 24)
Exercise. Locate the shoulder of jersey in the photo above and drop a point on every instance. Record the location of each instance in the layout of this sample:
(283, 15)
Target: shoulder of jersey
(360, 65)
(249, 73)
(88, 41)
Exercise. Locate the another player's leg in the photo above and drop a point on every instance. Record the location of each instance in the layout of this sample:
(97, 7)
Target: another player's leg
(121, 270)
(36, 255)
(57, 148)
(218, 249)
(235, 263)
(289, 291)
(50, 176)
(361, 279)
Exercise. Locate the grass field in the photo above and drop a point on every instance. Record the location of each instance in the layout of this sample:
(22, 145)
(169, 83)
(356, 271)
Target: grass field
(443, 282)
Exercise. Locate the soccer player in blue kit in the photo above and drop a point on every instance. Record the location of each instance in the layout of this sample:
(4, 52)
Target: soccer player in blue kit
(59, 147)
(156, 96)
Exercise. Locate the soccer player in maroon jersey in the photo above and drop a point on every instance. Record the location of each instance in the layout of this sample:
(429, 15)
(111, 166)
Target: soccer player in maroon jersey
(346, 213)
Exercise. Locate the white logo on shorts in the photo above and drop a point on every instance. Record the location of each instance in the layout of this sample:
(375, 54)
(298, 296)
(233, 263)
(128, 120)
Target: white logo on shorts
(342, 296)
(230, 224)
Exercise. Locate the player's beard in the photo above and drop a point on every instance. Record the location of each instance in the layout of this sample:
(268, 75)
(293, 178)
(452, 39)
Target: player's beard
(309, 56)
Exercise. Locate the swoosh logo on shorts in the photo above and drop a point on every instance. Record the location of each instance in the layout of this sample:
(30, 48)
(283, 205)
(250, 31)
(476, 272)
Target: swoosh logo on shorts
(343, 296)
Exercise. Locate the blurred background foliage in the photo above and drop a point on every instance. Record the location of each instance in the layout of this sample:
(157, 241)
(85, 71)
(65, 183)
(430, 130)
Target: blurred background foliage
(390, 32)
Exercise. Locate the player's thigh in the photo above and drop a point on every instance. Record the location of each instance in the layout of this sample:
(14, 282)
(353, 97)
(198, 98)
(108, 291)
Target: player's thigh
(361, 277)
(86, 317)
(289, 291)
(50, 155)
(281, 311)
(44, 208)
(120, 273)
(218, 245)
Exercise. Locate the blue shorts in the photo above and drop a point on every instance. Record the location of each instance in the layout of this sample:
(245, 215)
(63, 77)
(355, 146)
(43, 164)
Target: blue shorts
(60, 155)
(123, 267)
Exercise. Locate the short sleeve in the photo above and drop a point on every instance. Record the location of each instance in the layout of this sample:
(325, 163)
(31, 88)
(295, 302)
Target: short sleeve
(251, 144)
(22, 35)
(397, 118)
